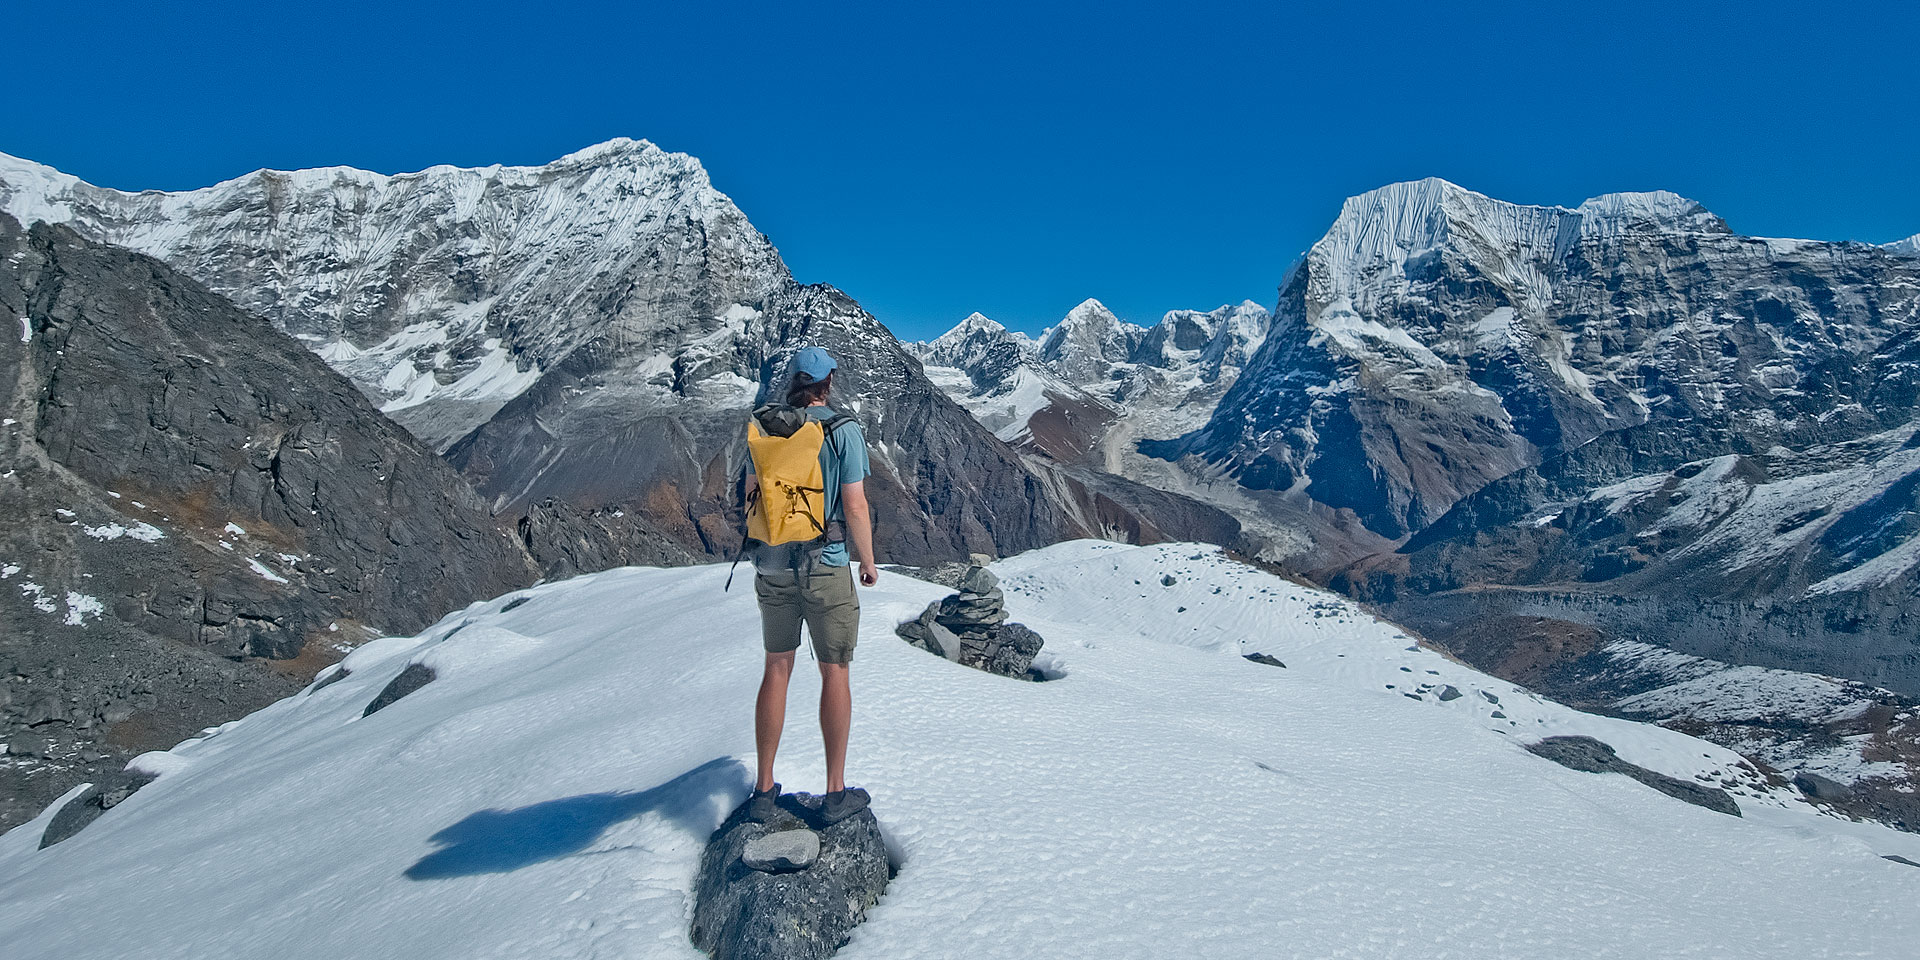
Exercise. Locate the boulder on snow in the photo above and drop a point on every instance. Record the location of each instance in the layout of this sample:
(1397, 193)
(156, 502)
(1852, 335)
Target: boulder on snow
(1821, 788)
(415, 676)
(802, 913)
(1266, 659)
(1592, 756)
(87, 807)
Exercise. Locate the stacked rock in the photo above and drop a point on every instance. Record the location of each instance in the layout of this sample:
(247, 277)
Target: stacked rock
(971, 628)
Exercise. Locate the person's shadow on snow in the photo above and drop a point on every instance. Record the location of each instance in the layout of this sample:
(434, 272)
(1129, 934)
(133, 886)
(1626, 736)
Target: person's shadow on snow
(496, 841)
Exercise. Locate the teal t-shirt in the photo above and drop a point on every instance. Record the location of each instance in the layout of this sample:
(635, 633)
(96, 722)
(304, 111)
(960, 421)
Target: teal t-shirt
(850, 466)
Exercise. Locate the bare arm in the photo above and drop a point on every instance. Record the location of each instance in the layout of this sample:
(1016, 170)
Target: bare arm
(853, 500)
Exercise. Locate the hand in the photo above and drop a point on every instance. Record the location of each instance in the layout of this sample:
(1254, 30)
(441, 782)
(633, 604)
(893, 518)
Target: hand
(869, 574)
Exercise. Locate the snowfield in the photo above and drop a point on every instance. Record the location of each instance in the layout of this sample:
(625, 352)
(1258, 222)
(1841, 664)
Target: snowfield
(548, 795)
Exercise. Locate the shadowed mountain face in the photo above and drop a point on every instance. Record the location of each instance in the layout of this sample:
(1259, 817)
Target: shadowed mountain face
(584, 338)
(191, 495)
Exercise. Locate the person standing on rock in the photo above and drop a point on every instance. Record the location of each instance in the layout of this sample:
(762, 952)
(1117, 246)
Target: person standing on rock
(806, 503)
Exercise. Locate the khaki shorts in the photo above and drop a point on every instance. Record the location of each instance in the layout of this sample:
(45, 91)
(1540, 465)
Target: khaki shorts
(825, 601)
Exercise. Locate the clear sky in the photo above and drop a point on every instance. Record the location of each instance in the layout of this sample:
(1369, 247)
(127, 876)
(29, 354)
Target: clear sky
(1016, 158)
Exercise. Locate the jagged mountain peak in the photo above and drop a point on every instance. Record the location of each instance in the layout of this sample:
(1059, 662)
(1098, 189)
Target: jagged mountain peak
(1656, 211)
(976, 322)
(979, 345)
(1910, 247)
(1396, 234)
(1091, 310)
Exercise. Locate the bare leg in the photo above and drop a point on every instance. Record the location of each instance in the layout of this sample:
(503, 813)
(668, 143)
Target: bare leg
(836, 719)
(770, 713)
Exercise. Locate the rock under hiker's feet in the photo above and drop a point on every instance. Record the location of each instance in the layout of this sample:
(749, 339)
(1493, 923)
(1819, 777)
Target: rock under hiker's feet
(842, 804)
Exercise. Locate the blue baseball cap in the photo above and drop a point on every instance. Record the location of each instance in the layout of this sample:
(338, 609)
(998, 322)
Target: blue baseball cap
(813, 363)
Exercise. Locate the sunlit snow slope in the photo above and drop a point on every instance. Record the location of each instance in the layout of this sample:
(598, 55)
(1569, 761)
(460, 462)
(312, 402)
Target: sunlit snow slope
(548, 795)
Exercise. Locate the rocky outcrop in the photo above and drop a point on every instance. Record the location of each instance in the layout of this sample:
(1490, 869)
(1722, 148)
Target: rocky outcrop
(1591, 756)
(970, 628)
(76, 814)
(415, 676)
(200, 513)
(808, 886)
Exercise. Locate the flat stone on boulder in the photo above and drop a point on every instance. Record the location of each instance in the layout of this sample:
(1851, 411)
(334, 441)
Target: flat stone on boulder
(783, 851)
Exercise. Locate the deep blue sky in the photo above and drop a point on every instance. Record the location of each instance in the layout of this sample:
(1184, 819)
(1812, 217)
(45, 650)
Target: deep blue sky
(1016, 159)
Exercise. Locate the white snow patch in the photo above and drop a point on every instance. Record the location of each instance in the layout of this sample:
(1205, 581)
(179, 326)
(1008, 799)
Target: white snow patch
(141, 531)
(234, 529)
(262, 570)
(7, 571)
(158, 763)
(80, 607)
(38, 594)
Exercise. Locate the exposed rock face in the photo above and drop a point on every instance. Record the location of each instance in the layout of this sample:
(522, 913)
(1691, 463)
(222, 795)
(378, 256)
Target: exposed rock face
(787, 912)
(941, 486)
(970, 628)
(1591, 756)
(191, 494)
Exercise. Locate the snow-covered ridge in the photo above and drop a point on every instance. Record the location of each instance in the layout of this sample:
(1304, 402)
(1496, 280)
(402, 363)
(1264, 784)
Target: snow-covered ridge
(445, 292)
(1390, 229)
(1909, 247)
(549, 792)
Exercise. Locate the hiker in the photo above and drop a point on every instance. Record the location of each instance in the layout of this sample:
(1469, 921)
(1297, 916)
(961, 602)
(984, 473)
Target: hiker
(806, 502)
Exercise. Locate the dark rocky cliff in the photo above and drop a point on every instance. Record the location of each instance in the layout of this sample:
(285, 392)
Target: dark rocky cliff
(199, 513)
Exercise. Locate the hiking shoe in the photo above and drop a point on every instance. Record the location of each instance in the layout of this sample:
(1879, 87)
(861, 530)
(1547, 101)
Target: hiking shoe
(842, 804)
(763, 805)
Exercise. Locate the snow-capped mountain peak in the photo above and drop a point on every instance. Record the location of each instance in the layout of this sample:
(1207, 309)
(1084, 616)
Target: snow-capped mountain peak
(1385, 237)
(446, 292)
(1909, 247)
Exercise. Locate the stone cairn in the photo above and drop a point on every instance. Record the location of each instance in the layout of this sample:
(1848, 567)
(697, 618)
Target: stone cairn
(970, 628)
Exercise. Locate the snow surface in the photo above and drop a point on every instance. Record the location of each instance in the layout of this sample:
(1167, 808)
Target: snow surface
(549, 793)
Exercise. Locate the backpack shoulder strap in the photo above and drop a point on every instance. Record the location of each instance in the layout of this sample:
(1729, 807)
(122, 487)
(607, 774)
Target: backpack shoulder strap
(831, 427)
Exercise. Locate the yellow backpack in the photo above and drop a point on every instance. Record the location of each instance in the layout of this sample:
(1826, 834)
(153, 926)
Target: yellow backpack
(789, 503)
